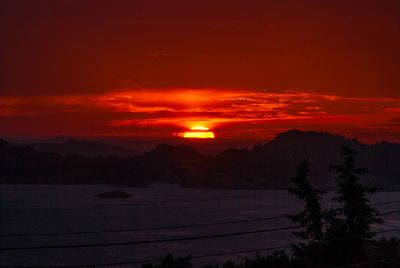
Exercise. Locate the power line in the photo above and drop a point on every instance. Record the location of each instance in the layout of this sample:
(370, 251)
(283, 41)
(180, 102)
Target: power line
(222, 254)
(174, 239)
(121, 205)
(155, 241)
(176, 226)
(145, 204)
(148, 228)
(231, 253)
(157, 260)
(388, 213)
(195, 256)
(385, 203)
(355, 236)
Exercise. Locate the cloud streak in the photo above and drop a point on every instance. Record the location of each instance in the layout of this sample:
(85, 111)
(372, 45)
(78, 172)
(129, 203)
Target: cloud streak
(231, 113)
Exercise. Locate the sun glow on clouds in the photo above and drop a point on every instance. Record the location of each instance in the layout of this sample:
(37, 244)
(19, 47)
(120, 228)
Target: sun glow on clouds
(199, 132)
(211, 108)
(228, 113)
(248, 113)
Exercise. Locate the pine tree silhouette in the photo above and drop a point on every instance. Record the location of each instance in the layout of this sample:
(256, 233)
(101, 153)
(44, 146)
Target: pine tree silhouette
(311, 216)
(355, 213)
(351, 223)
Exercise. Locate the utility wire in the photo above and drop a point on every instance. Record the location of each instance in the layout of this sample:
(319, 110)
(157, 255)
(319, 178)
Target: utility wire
(174, 239)
(176, 226)
(122, 205)
(147, 228)
(388, 213)
(154, 241)
(222, 254)
(158, 259)
(142, 205)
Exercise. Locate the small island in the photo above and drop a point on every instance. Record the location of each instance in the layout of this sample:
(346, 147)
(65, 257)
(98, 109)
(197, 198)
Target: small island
(114, 194)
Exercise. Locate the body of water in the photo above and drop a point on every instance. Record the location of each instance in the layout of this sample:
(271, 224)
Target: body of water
(34, 209)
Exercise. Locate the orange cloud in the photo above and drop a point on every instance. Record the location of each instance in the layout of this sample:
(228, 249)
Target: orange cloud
(231, 113)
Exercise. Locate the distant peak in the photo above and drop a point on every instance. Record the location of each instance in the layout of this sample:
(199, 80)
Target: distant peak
(168, 147)
(309, 133)
(308, 138)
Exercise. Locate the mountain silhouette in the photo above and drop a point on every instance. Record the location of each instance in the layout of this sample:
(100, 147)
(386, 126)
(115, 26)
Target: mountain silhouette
(269, 165)
(85, 148)
(273, 163)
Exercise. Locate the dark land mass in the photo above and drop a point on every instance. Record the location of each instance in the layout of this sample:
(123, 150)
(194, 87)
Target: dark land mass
(268, 165)
(114, 194)
(84, 148)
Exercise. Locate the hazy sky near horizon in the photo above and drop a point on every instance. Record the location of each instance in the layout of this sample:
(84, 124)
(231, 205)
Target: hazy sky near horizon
(246, 69)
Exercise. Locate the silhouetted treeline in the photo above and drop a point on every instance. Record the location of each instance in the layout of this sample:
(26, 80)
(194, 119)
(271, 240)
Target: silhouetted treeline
(84, 148)
(265, 166)
(22, 164)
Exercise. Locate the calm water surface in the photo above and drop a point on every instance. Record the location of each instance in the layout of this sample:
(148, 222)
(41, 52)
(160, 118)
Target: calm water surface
(47, 209)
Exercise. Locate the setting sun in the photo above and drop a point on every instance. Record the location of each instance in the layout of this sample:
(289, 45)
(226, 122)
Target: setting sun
(199, 132)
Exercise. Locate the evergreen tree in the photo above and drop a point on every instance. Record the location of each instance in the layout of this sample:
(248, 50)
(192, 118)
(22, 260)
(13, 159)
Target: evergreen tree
(311, 216)
(355, 214)
(348, 228)
(305, 252)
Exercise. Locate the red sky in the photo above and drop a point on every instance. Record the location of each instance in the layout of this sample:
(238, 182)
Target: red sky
(246, 69)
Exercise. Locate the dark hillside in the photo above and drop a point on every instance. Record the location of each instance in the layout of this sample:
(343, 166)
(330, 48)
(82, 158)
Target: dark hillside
(269, 165)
